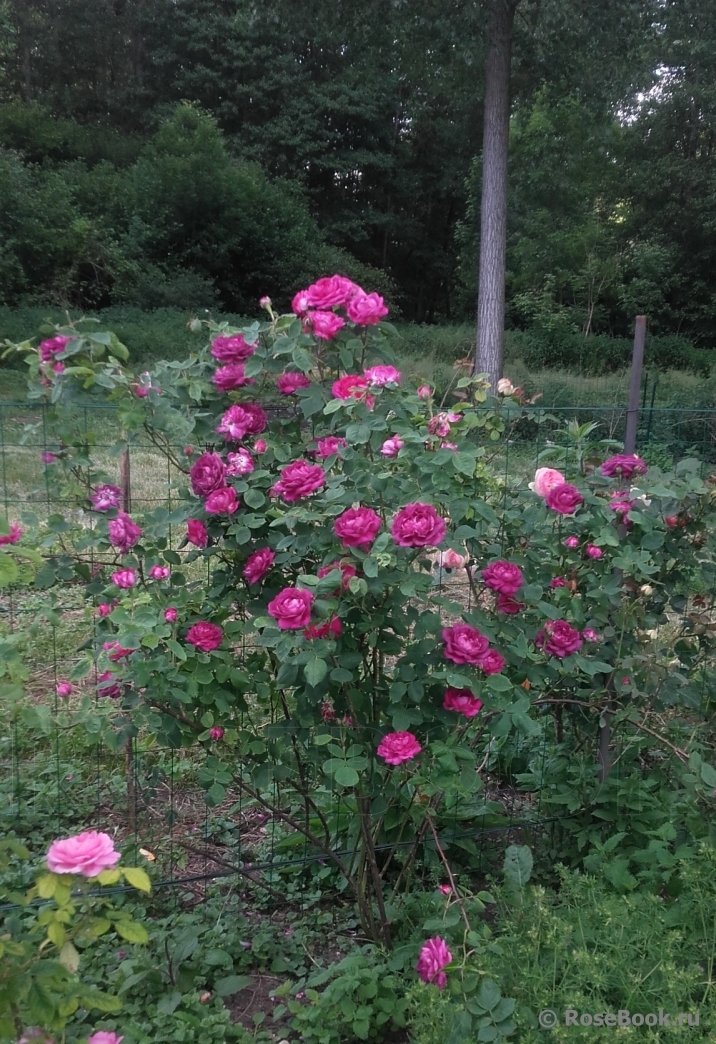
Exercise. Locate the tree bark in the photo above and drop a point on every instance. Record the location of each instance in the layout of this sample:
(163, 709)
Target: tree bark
(493, 212)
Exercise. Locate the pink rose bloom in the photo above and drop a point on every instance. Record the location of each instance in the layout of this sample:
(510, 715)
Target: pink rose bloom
(158, 572)
(622, 508)
(564, 498)
(231, 349)
(13, 536)
(324, 325)
(672, 522)
(298, 480)
(357, 527)
(451, 560)
(216, 732)
(594, 552)
(239, 463)
(418, 525)
(35, 1035)
(115, 651)
(425, 391)
(380, 375)
(508, 605)
(439, 425)
(52, 346)
(258, 565)
(260, 446)
(571, 542)
(464, 644)
(559, 638)
(462, 701)
(392, 446)
(123, 533)
(492, 662)
(64, 689)
(329, 445)
(397, 747)
(329, 292)
(103, 609)
(590, 635)
(546, 479)
(221, 502)
(291, 608)
(505, 386)
(624, 465)
(88, 853)
(347, 571)
(448, 445)
(141, 390)
(104, 1037)
(265, 302)
(227, 378)
(330, 629)
(366, 309)
(327, 711)
(105, 497)
(289, 383)
(205, 636)
(58, 367)
(108, 686)
(241, 420)
(124, 578)
(352, 386)
(503, 577)
(434, 956)
(207, 474)
(47, 457)
(300, 303)
(170, 614)
(557, 581)
(446, 889)
(196, 533)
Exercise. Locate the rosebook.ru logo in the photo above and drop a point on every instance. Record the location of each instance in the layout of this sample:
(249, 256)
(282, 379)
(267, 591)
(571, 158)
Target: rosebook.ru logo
(548, 1018)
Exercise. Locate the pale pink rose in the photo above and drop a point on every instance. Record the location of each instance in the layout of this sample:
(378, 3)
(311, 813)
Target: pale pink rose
(158, 572)
(492, 662)
(348, 570)
(425, 391)
(239, 463)
(434, 956)
(231, 348)
(397, 747)
(123, 532)
(88, 854)
(205, 636)
(221, 502)
(247, 418)
(463, 701)
(452, 560)
(504, 577)
(324, 325)
(329, 445)
(357, 527)
(464, 644)
(329, 292)
(546, 479)
(366, 309)
(260, 446)
(380, 375)
(418, 525)
(258, 564)
(13, 536)
(229, 377)
(289, 383)
(104, 1037)
(564, 498)
(170, 614)
(196, 533)
(216, 732)
(124, 578)
(298, 480)
(392, 446)
(505, 386)
(559, 638)
(594, 552)
(103, 498)
(571, 542)
(207, 474)
(64, 689)
(291, 608)
(265, 302)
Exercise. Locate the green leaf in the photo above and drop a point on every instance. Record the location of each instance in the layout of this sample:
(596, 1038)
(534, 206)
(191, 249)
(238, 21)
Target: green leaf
(8, 569)
(518, 866)
(346, 776)
(489, 993)
(137, 877)
(69, 958)
(708, 774)
(315, 671)
(46, 886)
(132, 931)
(499, 683)
(254, 498)
(232, 984)
(101, 1001)
(169, 1003)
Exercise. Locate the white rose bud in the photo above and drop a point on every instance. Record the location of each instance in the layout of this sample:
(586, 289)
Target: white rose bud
(505, 386)
(647, 590)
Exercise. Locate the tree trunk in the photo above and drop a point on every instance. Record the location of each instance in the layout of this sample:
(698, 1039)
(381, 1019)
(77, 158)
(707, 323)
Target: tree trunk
(493, 213)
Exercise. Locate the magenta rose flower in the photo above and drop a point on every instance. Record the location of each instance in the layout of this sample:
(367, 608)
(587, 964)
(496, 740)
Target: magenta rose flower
(357, 527)
(260, 446)
(624, 465)
(397, 747)
(329, 292)
(380, 375)
(108, 686)
(103, 498)
(123, 533)
(239, 463)
(418, 525)
(366, 309)
(221, 502)
(124, 578)
(216, 732)
(492, 662)
(546, 479)
(207, 474)
(352, 386)
(329, 445)
(590, 635)
(503, 577)
(347, 570)
(104, 609)
(227, 378)
(196, 532)
(324, 325)
(464, 644)
(243, 419)
(205, 636)
(425, 391)
(104, 1037)
(557, 581)
(559, 638)
(48, 458)
(170, 614)
(231, 349)
(298, 480)
(564, 498)
(64, 689)
(594, 552)
(392, 447)
(115, 651)
(462, 701)
(291, 608)
(439, 425)
(622, 506)
(289, 383)
(158, 572)
(571, 542)
(300, 303)
(258, 564)
(434, 956)
(88, 854)
(508, 605)
(49, 348)
(13, 536)
(330, 629)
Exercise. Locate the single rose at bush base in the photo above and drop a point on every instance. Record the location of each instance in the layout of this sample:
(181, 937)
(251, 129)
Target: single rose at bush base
(462, 701)
(125, 578)
(418, 525)
(298, 480)
(124, 534)
(291, 608)
(503, 577)
(231, 349)
(397, 747)
(222, 502)
(464, 644)
(357, 527)
(559, 638)
(196, 532)
(623, 465)
(258, 564)
(546, 479)
(104, 498)
(205, 636)
(564, 499)
(88, 854)
(289, 383)
(434, 957)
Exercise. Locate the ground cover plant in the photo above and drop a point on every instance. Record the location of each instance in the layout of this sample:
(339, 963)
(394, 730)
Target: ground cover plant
(368, 637)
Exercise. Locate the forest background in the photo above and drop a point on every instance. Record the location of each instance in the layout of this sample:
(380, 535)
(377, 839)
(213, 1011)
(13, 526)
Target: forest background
(196, 154)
